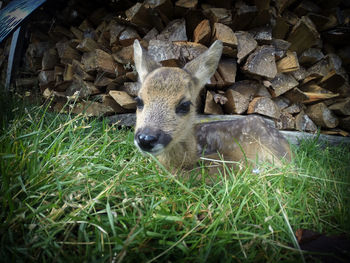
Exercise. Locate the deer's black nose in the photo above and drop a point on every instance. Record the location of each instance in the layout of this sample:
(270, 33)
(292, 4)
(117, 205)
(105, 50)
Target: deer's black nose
(147, 141)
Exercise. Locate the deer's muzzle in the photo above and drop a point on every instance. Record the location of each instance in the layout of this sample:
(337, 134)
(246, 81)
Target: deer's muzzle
(151, 140)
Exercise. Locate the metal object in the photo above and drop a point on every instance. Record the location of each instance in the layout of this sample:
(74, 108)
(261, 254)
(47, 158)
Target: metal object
(11, 16)
(14, 13)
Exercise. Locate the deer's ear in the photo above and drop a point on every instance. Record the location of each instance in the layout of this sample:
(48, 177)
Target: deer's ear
(143, 62)
(203, 67)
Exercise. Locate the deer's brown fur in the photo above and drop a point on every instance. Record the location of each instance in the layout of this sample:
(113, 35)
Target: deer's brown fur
(166, 117)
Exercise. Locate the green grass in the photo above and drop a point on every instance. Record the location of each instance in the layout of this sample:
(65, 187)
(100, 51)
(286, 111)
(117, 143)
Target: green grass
(76, 190)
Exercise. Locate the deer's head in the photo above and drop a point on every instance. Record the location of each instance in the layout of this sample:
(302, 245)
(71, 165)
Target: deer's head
(166, 100)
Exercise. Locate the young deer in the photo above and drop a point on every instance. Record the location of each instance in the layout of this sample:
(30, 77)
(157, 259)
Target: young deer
(166, 114)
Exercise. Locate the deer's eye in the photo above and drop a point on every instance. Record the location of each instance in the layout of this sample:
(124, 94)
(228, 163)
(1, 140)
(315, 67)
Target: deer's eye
(139, 103)
(183, 107)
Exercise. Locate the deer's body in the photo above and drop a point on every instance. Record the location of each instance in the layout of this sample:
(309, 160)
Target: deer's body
(165, 124)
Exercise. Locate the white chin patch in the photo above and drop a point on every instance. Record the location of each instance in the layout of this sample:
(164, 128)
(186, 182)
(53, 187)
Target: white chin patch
(156, 150)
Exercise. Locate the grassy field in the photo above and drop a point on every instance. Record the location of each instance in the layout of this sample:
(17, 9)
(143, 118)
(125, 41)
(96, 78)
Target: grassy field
(76, 190)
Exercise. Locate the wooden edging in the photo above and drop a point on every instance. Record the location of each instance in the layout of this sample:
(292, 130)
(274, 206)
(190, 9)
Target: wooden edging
(293, 137)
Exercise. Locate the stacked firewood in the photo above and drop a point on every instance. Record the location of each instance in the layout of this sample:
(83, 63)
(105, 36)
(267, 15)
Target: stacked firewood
(283, 59)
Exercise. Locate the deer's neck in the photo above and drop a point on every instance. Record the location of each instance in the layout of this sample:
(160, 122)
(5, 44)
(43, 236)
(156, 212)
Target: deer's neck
(182, 154)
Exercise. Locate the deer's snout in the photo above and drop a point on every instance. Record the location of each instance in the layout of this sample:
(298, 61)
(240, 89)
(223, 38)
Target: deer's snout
(146, 141)
(151, 140)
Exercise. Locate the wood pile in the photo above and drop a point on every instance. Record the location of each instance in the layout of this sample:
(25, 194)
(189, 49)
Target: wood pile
(284, 59)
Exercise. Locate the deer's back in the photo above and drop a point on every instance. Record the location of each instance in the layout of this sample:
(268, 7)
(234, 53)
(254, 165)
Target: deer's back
(249, 138)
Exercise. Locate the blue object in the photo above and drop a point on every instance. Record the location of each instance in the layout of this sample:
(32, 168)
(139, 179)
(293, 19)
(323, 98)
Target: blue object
(14, 13)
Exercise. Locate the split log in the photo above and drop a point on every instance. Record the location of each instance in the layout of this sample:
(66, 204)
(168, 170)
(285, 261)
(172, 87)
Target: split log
(165, 50)
(263, 92)
(283, 83)
(303, 35)
(262, 4)
(248, 88)
(202, 32)
(262, 62)
(345, 123)
(291, 18)
(306, 7)
(131, 88)
(182, 6)
(128, 36)
(92, 108)
(263, 18)
(344, 54)
(311, 56)
(131, 76)
(296, 95)
(61, 32)
(281, 102)
(78, 69)
(98, 60)
(244, 15)
(101, 28)
(78, 34)
(98, 15)
(193, 17)
(246, 44)
(285, 122)
(281, 28)
(123, 99)
(293, 109)
(333, 81)
(68, 73)
(163, 9)
(322, 116)
(321, 68)
(139, 15)
(219, 82)
(81, 89)
(174, 31)
(227, 69)
(289, 63)
(152, 34)
(316, 96)
(281, 5)
(237, 103)
(102, 80)
(67, 53)
(46, 77)
(37, 49)
(211, 107)
(225, 34)
(26, 82)
(322, 22)
(264, 106)
(50, 59)
(87, 45)
(341, 108)
(281, 47)
(108, 101)
(299, 74)
(125, 55)
(312, 86)
(62, 86)
(114, 31)
(263, 35)
(85, 25)
(220, 3)
(59, 73)
(304, 123)
(219, 15)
